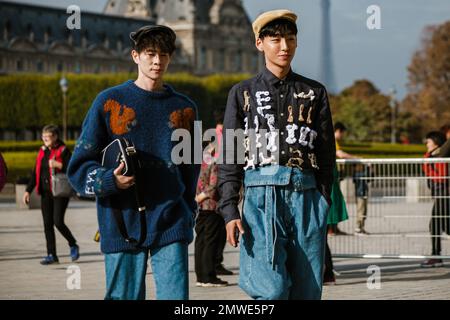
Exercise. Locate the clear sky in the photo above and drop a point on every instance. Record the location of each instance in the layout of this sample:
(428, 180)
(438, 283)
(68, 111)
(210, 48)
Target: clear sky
(381, 56)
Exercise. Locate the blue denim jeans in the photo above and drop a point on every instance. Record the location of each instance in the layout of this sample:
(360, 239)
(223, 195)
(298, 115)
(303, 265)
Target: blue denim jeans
(283, 246)
(125, 273)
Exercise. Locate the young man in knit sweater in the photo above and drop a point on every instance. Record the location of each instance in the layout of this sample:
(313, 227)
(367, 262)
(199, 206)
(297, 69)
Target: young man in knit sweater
(290, 154)
(145, 111)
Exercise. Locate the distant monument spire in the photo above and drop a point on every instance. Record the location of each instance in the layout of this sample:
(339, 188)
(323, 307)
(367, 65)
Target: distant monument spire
(326, 54)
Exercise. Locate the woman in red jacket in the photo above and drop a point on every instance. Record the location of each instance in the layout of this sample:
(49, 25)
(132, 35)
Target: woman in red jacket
(438, 182)
(52, 155)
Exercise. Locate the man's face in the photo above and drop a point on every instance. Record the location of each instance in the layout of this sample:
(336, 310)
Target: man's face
(151, 62)
(278, 50)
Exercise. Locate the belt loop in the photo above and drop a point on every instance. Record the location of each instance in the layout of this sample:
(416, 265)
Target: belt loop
(271, 223)
(274, 225)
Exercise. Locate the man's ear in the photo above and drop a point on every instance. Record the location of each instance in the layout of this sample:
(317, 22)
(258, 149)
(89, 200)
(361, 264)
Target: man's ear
(259, 44)
(135, 56)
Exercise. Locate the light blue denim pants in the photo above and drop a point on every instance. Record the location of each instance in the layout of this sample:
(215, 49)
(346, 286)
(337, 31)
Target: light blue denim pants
(282, 249)
(125, 273)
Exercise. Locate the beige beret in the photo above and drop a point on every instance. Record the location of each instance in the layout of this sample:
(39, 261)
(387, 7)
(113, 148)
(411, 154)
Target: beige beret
(269, 16)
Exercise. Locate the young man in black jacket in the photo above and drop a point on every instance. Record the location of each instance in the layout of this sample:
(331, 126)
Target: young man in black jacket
(286, 166)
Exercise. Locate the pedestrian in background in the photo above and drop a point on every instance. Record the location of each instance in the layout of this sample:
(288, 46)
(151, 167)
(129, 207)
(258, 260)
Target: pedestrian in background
(361, 180)
(438, 183)
(52, 155)
(210, 226)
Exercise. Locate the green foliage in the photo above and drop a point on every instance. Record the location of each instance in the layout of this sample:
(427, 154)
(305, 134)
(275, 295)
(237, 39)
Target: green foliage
(29, 146)
(32, 101)
(20, 164)
(384, 150)
(364, 111)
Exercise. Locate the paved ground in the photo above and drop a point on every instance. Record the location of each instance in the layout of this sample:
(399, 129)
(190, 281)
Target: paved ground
(22, 245)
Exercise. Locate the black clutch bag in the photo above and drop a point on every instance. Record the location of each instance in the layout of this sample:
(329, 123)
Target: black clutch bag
(123, 150)
(120, 150)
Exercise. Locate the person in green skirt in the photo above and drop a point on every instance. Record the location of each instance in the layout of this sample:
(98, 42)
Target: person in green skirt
(338, 210)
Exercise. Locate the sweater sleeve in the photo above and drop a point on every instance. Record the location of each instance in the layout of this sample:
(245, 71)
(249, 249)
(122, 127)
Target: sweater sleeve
(190, 171)
(86, 175)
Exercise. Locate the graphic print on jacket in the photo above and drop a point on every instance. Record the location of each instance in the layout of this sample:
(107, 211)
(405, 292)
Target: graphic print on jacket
(262, 133)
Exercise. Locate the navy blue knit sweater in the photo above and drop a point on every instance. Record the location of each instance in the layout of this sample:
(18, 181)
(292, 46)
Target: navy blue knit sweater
(148, 120)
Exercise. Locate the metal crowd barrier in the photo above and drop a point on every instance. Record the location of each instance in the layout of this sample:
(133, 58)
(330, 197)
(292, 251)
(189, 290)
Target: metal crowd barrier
(399, 208)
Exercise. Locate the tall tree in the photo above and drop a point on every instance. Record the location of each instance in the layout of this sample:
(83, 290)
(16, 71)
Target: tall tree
(364, 110)
(428, 98)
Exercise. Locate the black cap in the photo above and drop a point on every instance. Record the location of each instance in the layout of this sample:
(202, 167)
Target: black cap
(136, 35)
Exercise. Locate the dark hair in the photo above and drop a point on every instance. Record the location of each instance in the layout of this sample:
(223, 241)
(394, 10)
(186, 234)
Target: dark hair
(53, 129)
(339, 126)
(437, 137)
(445, 128)
(278, 27)
(156, 39)
(219, 115)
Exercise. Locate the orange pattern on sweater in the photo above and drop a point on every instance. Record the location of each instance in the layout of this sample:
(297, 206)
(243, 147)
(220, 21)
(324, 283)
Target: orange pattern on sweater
(121, 116)
(182, 118)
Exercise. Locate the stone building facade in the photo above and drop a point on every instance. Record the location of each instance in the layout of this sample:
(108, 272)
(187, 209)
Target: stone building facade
(213, 36)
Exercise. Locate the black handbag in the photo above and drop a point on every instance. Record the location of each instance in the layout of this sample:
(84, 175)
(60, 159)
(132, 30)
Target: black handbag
(123, 150)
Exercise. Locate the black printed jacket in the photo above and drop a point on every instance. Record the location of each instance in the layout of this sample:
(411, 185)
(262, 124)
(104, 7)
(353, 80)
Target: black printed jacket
(297, 109)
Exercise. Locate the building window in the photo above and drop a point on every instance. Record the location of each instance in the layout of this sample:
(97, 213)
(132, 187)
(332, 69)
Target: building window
(85, 39)
(7, 30)
(68, 35)
(238, 61)
(77, 68)
(19, 65)
(96, 68)
(113, 68)
(104, 39)
(59, 66)
(221, 60)
(119, 43)
(202, 58)
(39, 66)
(47, 35)
(30, 32)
